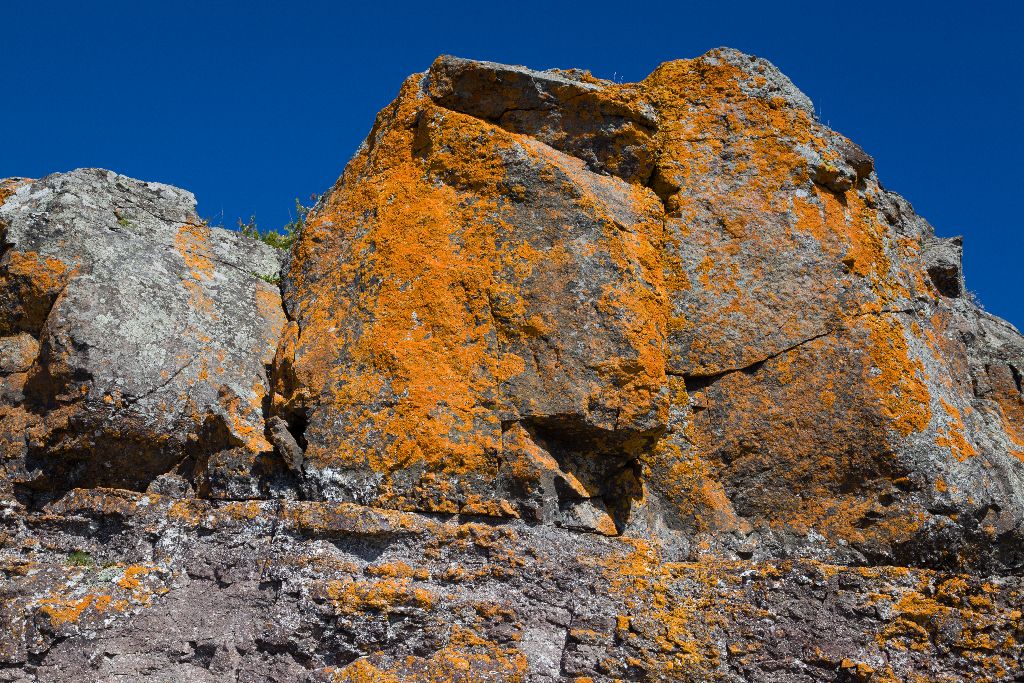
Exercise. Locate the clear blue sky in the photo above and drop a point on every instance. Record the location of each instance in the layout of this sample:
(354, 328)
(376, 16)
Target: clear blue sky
(252, 104)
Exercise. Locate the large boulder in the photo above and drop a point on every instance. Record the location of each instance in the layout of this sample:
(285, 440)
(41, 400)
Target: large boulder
(682, 308)
(134, 337)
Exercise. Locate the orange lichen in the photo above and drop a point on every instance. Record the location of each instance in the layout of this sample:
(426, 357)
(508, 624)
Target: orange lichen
(397, 570)
(1010, 404)
(34, 281)
(8, 186)
(67, 611)
(684, 646)
(456, 325)
(268, 307)
(443, 308)
(68, 608)
(897, 379)
(244, 417)
(193, 245)
(350, 597)
(953, 436)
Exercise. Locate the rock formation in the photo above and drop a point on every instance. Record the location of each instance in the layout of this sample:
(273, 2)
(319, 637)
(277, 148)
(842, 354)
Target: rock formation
(566, 380)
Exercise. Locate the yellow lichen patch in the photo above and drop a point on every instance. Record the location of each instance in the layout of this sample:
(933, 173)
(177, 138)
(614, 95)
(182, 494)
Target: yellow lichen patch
(8, 186)
(34, 280)
(362, 671)
(692, 487)
(427, 341)
(466, 658)
(102, 501)
(681, 625)
(189, 512)
(502, 547)
(952, 612)
(397, 570)
(193, 245)
(68, 606)
(326, 518)
(68, 611)
(851, 233)
(268, 307)
(244, 418)
(953, 436)
(745, 223)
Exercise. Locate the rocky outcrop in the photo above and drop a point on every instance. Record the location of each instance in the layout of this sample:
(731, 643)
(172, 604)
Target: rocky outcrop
(681, 308)
(139, 336)
(574, 380)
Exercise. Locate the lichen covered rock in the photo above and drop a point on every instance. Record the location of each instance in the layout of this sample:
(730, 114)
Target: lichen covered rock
(573, 381)
(138, 335)
(681, 307)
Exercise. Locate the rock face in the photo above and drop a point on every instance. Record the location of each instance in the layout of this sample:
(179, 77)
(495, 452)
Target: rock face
(574, 380)
(139, 336)
(682, 308)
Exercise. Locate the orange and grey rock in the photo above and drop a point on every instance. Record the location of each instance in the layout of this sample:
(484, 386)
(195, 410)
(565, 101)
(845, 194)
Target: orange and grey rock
(150, 331)
(682, 306)
(571, 380)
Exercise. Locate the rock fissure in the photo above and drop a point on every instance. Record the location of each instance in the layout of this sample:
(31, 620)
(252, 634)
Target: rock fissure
(703, 380)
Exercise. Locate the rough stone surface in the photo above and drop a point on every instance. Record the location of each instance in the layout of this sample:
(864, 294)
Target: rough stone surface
(576, 381)
(139, 335)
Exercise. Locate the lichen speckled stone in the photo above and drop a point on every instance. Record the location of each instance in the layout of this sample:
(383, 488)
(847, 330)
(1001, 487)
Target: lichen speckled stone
(154, 329)
(571, 381)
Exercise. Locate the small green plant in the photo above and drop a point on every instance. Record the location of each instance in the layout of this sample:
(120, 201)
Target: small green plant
(269, 279)
(80, 558)
(280, 239)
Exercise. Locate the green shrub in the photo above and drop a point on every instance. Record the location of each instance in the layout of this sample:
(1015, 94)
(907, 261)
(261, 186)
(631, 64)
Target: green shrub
(280, 239)
(80, 558)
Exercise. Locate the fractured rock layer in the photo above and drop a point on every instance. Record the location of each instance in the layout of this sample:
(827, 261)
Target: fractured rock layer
(569, 380)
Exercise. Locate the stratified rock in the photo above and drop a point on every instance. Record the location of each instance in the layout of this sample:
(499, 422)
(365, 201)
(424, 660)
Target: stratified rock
(138, 335)
(191, 590)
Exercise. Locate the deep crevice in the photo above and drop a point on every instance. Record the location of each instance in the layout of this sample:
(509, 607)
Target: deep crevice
(1018, 378)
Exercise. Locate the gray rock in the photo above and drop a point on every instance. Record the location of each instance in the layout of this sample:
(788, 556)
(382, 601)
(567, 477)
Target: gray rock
(943, 258)
(154, 330)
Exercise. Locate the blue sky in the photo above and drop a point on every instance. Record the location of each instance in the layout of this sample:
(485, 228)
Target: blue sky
(252, 104)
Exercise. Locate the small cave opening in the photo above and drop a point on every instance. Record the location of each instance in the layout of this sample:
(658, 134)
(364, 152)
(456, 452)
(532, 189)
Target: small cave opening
(599, 474)
(947, 279)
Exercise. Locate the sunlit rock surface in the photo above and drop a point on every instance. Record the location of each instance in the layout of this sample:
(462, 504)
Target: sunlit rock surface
(574, 380)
